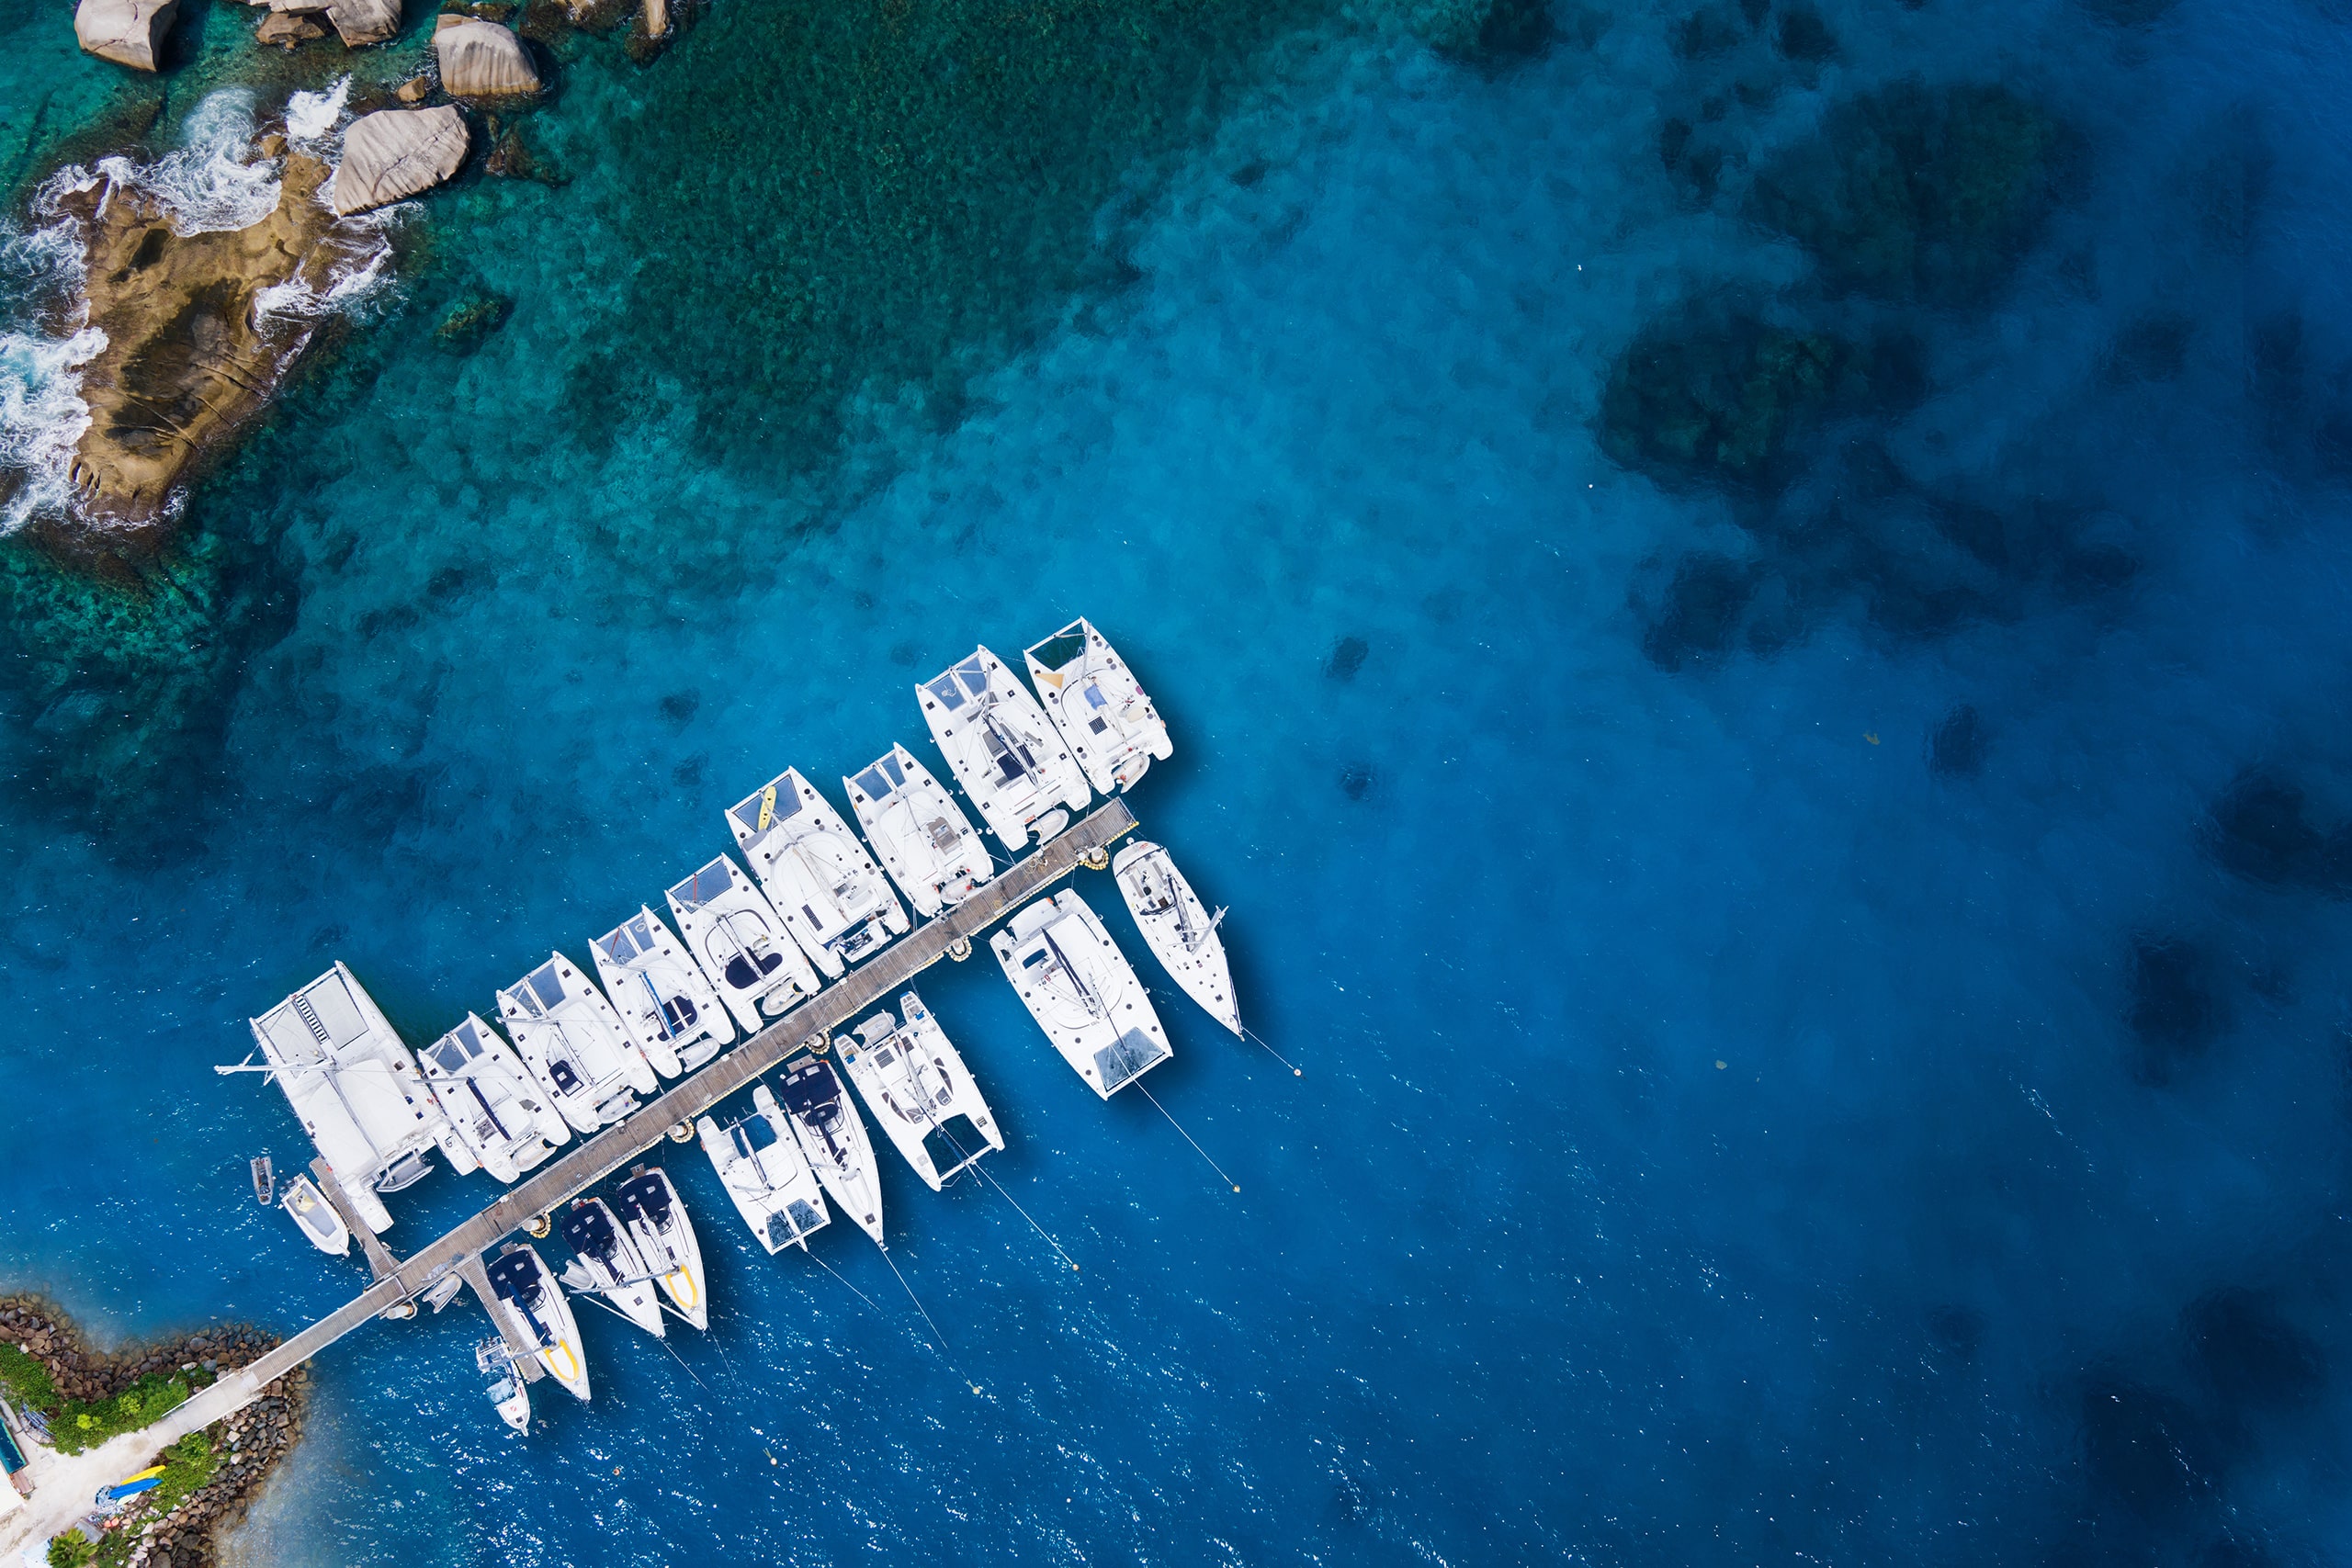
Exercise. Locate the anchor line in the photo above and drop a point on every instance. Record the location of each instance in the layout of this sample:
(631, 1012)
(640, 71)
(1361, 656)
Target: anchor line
(1188, 1138)
(972, 1163)
(836, 1274)
(1253, 1037)
(938, 1339)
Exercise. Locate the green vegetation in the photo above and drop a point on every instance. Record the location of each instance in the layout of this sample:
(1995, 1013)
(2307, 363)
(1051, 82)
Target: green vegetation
(77, 1425)
(190, 1465)
(26, 1378)
(70, 1551)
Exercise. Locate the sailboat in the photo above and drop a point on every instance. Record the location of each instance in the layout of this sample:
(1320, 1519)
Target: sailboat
(926, 842)
(571, 1041)
(830, 893)
(605, 1260)
(1101, 712)
(760, 1163)
(913, 1082)
(1078, 986)
(1003, 750)
(506, 1119)
(835, 1140)
(737, 937)
(658, 1222)
(665, 1001)
(533, 1307)
(1178, 927)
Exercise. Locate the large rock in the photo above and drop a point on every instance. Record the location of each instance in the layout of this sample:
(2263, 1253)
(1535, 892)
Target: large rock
(129, 32)
(365, 21)
(481, 60)
(398, 152)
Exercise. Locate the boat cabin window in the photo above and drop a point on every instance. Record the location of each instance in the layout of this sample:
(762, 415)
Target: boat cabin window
(703, 886)
(945, 690)
(1036, 960)
(547, 984)
(640, 931)
(520, 995)
(1062, 649)
(873, 785)
(975, 679)
(451, 1055)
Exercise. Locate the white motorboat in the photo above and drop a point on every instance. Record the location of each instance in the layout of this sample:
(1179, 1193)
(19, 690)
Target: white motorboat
(487, 1093)
(1003, 750)
(604, 1260)
(532, 1305)
(913, 1082)
(739, 941)
(1078, 986)
(658, 1222)
(926, 842)
(831, 893)
(1095, 701)
(760, 1163)
(571, 1039)
(509, 1394)
(835, 1140)
(357, 1091)
(308, 1207)
(1178, 927)
(665, 1001)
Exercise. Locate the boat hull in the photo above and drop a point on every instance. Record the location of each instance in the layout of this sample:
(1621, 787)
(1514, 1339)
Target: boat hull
(1176, 926)
(1082, 992)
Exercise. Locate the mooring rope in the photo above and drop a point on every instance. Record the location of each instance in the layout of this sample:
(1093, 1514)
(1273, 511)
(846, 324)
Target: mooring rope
(1188, 1138)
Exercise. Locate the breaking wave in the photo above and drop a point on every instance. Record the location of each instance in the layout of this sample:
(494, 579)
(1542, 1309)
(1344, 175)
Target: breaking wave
(212, 184)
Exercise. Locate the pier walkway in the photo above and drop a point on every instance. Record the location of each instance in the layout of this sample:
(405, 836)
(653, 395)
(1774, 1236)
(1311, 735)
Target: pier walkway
(596, 1157)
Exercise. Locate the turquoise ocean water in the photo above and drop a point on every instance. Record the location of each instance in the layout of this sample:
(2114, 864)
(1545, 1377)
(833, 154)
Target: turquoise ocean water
(1816, 956)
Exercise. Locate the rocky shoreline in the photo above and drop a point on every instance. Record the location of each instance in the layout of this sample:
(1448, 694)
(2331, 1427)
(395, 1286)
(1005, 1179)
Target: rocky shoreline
(246, 1446)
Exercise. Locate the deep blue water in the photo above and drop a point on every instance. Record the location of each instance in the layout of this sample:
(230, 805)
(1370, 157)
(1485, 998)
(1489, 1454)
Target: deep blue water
(1738, 1124)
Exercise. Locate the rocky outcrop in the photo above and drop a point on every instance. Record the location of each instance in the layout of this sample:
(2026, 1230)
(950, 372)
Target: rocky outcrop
(481, 60)
(398, 152)
(129, 32)
(188, 356)
(365, 21)
(287, 29)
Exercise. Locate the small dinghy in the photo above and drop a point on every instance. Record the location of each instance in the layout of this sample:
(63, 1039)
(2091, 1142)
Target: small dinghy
(308, 1208)
(264, 1181)
(912, 1080)
(926, 842)
(533, 1307)
(571, 1039)
(658, 1222)
(1003, 750)
(760, 1163)
(1078, 986)
(1110, 725)
(605, 1260)
(738, 938)
(1178, 929)
(510, 1395)
(835, 1140)
(665, 1001)
(507, 1120)
(827, 888)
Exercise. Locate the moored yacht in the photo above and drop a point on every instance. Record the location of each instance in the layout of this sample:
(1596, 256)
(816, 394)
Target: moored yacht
(759, 1164)
(532, 1305)
(737, 937)
(833, 1139)
(1101, 712)
(509, 1394)
(665, 1001)
(1078, 986)
(913, 1082)
(356, 1090)
(1003, 750)
(308, 1208)
(571, 1041)
(830, 893)
(604, 1260)
(1178, 927)
(508, 1120)
(926, 842)
(664, 1234)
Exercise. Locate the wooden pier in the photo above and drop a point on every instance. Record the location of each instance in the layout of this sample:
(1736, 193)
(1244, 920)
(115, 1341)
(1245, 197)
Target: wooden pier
(595, 1158)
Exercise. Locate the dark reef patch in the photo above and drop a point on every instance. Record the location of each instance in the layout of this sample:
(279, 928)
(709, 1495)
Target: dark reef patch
(1347, 658)
(2253, 1358)
(2257, 829)
(1956, 746)
(2173, 1011)
(2144, 1452)
(1698, 616)
(1355, 780)
(2154, 348)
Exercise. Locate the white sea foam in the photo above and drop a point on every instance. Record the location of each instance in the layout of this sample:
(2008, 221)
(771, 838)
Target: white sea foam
(313, 116)
(41, 416)
(212, 182)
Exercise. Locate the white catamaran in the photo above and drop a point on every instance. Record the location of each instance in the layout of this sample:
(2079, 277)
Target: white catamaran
(1078, 986)
(913, 1082)
(533, 1308)
(831, 893)
(759, 1164)
(737, 937)
(665, 1001)
(572, 1042)
(605, 1260)
(926, 842)
(835, 1140)
(649, 1207)
(357, 1091)
(1101, 712)
(1003, 749)
(509, 1122)
(1178, 927)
